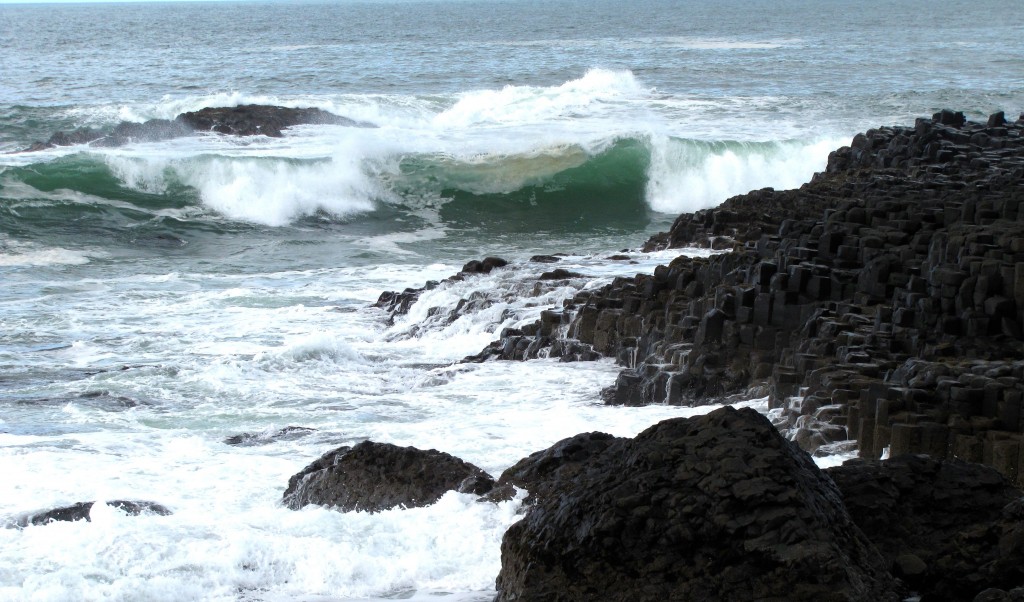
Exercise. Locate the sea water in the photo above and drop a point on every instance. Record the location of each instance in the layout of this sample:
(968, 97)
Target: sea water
(159, 298)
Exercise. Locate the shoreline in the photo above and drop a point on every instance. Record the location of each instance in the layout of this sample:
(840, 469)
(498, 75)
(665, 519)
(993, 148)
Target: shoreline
(884, 298)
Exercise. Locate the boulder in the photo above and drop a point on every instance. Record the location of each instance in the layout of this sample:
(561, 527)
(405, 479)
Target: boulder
(719, 507)
(560, 274)
(483, 266)
(541, 473)
(372, 476)
(948, 528)
(545, 259)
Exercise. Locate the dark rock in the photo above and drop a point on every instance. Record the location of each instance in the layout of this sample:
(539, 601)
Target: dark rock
(932, 520)
(371, 477)
(560, 274)
(992, 595)
(80, 511)
(910, 568)
(485, 266)
(398, 303)
(288, 433)
(254, 120)
(545, 259)
(543, 472)
(245, 120)
(79, 136)
(719, 507)
(901, 262)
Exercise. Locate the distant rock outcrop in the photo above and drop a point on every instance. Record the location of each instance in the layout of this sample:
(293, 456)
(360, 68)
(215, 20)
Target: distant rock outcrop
(244, 120)
(378, 476)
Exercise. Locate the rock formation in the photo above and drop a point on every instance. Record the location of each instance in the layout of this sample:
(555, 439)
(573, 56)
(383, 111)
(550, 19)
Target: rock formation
(378, 476)
(244, 120)
(883, 302)
(81, 510)
(948, 529)
(719, 507)
(397, 303)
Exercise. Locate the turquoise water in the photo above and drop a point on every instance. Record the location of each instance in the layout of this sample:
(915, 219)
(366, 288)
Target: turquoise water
(159, 297)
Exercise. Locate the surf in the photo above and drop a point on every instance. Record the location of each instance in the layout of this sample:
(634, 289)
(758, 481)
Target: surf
(596, 184)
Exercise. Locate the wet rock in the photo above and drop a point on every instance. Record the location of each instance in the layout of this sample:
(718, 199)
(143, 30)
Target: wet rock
(399, 303)
(560, 274)
(882, 302)
(719, 507)
(81, 510)
(543, 472)
(371, 477)
(288, 433)
(545, 259)
(254, 120)
(939, 524)
(244, 120)
(484, 266)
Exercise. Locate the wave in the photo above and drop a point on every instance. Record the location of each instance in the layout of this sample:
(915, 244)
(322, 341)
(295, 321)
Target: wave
(620, 182)
(688, 175)
(590, 153)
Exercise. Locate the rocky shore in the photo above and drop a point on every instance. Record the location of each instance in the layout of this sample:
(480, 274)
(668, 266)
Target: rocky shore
(882, 303)
(879, 307)
(718, 507)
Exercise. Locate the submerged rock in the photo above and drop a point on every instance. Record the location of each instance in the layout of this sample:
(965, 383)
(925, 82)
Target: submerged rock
(719, 507)
(397, 303)
(378, 476)
(81, 510)
(288, 433)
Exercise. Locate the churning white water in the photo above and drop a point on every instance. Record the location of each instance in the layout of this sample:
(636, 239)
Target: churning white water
(158, 370)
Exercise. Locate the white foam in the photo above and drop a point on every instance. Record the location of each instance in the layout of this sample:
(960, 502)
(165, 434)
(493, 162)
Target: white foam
(278, 193)
(683, 178)
(320, 347)
(214, 355)
(146, 174)
(527, 104)
(42, 257)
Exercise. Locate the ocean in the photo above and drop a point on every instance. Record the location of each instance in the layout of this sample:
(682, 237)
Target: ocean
(158, 298)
